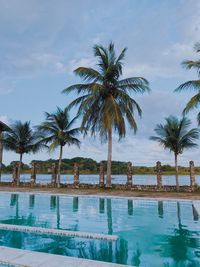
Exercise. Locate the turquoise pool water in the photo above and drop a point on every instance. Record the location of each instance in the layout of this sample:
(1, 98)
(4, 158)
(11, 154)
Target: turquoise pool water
(7, 265)
(151, 233)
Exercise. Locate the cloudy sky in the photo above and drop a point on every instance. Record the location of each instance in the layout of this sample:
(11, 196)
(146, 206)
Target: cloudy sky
(43, 41)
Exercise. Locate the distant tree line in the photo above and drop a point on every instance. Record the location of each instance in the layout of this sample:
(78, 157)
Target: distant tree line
(90, 166)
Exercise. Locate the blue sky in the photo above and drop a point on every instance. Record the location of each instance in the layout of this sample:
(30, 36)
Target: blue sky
(43, 42)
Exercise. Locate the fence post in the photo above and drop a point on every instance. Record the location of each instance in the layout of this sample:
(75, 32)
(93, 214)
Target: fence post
(192, 175)
(101, 174)
(14, 174)
(159, 174)
(76, 175)
(53, 174)
(33, 173)
(129, 174)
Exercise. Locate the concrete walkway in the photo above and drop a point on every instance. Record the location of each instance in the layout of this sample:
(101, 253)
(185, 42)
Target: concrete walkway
(26, 258)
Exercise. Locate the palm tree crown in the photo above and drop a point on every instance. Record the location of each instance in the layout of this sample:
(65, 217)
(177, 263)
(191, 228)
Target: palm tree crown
(175, 136)
(193, 84)
(21, 139)
(105, 102)
(58, 131)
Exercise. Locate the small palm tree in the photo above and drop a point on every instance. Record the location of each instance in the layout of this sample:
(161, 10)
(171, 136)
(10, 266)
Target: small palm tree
(175, 136)
(3, 128)
(59, 132)
(192, 85)
(21, 139)
(105, 101)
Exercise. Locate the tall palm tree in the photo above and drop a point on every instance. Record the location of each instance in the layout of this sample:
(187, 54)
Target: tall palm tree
(105, 101)
(21, 138)
(194, 102)
(3, 128)
(59, 132)
(175, 136)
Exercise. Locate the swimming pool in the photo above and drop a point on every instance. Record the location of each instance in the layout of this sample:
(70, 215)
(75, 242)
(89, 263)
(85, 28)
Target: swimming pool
(151, 233)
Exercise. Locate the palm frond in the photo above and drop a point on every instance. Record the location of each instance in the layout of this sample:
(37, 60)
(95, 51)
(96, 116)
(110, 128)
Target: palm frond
(193, 103)
(104, 99)
(194, 85)
(56, 129)
(175, 136)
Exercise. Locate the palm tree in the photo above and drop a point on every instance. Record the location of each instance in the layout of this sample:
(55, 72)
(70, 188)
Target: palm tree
(21, 139)
(105, 101)
(175, 136)
(3, 128)
(193, 84)
(59, 132)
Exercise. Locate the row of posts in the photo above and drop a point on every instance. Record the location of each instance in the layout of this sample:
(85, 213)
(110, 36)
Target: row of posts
(102, 174)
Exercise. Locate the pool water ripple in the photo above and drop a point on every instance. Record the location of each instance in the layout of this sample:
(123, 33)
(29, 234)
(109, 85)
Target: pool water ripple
(151, 232)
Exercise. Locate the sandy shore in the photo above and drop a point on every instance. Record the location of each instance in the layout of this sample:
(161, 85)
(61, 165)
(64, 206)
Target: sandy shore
(106, 192)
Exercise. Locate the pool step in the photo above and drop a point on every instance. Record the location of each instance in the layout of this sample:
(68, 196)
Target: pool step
(26, 258)
(55, 232)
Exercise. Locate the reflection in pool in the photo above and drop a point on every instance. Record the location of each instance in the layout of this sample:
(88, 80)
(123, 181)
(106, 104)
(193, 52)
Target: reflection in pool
(151, 233)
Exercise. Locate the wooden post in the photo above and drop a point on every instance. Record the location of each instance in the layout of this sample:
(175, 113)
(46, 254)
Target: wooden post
(76, 175)
(1, 152)
(54, 174)
(159, 174)
(192, 175)
(33, 173)
(129, 174)
(14, 174)
(101, 175)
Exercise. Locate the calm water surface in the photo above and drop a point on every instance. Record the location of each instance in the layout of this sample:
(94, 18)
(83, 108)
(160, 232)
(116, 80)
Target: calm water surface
(116, 179)
(151, 233)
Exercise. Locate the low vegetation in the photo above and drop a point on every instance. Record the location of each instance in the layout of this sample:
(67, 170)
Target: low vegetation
(90, 166)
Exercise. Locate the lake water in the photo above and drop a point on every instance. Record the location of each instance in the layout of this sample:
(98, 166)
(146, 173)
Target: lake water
(116, 179)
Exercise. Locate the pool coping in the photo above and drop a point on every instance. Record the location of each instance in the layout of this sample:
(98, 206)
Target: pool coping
(27, 258)
(100, 196)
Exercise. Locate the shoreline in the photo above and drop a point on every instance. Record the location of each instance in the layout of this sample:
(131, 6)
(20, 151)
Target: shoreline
(105, 192)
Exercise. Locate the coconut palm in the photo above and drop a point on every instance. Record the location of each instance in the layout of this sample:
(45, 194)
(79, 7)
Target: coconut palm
(176, 136)
(193, 84)
(105, 101)
(3, 128)
(21, 138)
(59, 132)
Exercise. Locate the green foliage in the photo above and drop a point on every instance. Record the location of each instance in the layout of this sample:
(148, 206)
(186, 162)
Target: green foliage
(105, 100)
(21, 138)
(192, 85)
(57, 130)
(90, 166)
(175, 135)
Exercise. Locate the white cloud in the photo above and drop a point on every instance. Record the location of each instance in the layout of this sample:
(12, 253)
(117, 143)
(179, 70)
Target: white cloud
(4, 119)
(81, 62)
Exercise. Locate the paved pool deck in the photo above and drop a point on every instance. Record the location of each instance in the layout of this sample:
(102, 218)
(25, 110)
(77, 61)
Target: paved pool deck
(104, 192)
(26, 258)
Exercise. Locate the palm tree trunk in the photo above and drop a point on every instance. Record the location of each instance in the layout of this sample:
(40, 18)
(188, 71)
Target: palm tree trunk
(108, 180)
(59, 166)
(19, 169)
(1, 153)
(176, 169)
